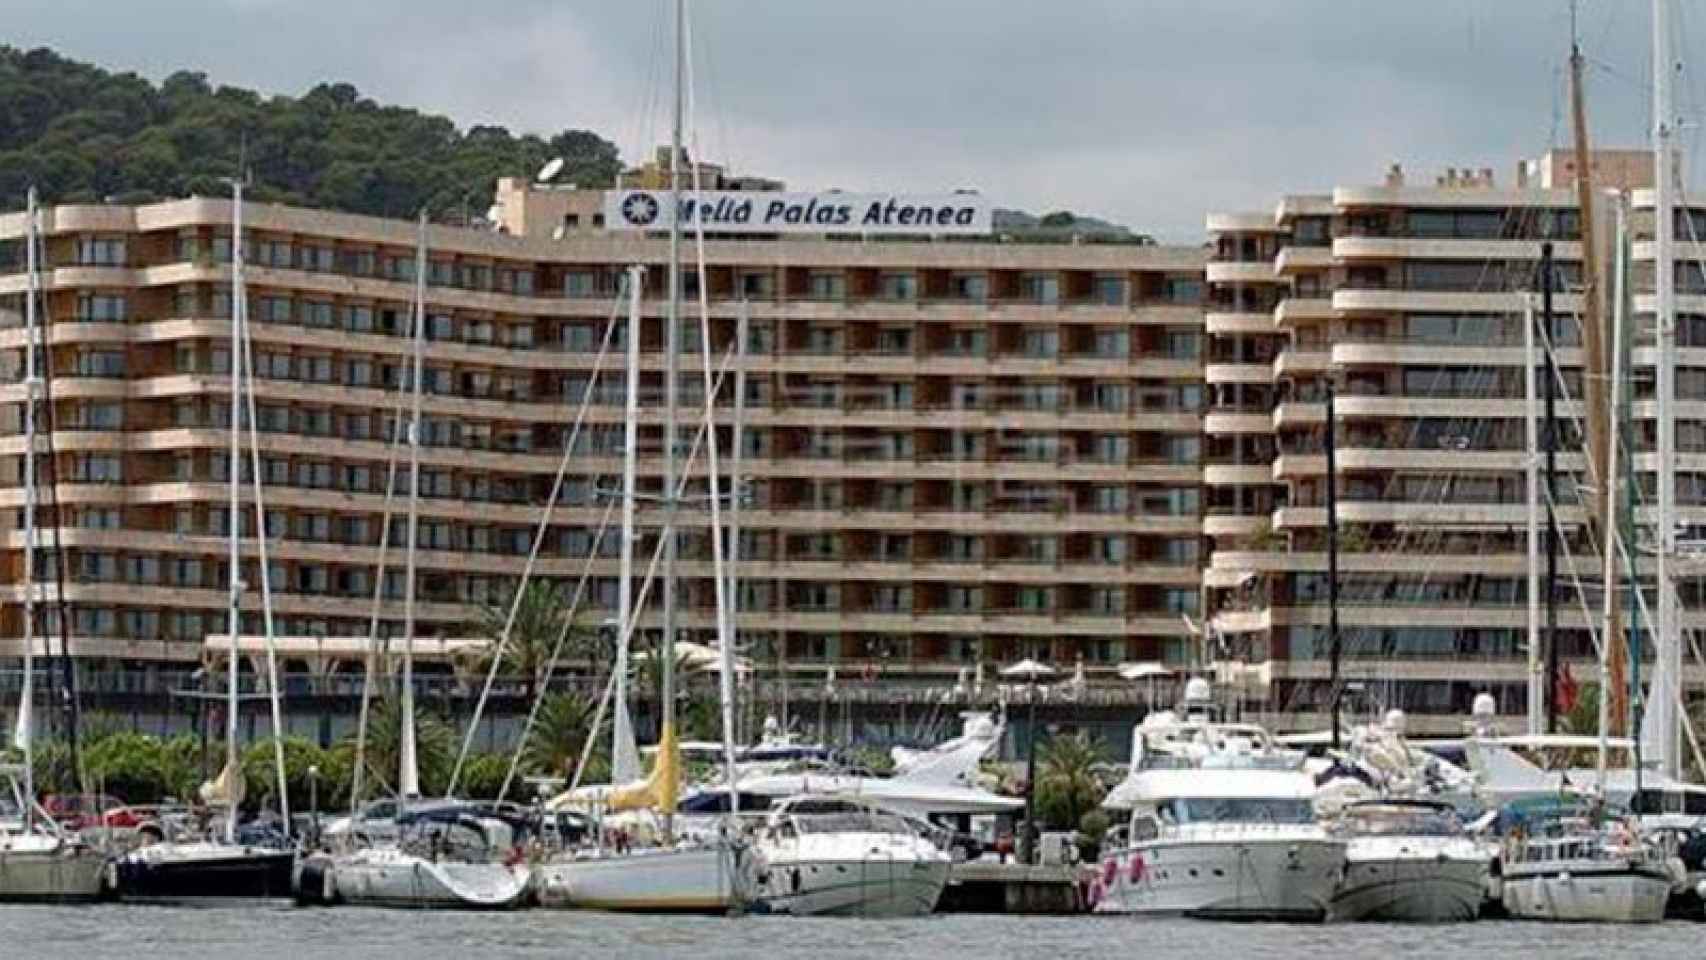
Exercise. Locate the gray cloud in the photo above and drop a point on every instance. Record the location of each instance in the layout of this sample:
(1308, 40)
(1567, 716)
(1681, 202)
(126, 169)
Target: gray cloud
(1149, 112)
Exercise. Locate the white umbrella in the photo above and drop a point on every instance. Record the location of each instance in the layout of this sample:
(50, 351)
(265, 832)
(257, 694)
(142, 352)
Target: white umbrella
(1143, 671)
(1028, 669)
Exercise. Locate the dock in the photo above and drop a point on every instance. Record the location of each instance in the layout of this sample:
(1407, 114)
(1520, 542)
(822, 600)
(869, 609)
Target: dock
(982, 886)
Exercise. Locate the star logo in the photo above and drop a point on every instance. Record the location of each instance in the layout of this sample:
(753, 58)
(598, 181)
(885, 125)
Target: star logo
(640, 209)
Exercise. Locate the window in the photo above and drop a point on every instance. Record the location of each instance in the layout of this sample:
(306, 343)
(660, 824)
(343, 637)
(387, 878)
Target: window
(1040, 287)
(1109, 290)
(101, 308)
(580, 283)
(897, 286)
(100, 252)
(969, 286)
(100, 363)
(828, 286)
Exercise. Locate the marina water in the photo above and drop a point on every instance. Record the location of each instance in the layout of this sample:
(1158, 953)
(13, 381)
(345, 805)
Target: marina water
(268, 931)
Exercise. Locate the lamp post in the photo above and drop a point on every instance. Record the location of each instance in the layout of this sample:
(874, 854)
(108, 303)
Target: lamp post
(1031, 671)
(314, 800)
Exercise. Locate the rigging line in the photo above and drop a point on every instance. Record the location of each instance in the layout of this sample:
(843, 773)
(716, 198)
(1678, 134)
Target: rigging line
(569, 619)
(632, 626)
(373, 648)
(539, 533)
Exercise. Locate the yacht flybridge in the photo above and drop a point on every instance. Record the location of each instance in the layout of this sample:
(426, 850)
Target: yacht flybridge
(1221, 824)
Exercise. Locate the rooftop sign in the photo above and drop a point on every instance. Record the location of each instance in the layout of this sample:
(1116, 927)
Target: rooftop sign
(749, 211)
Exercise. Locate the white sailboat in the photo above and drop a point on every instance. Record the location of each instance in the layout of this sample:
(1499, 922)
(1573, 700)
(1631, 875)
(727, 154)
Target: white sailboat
(221, 866)
(445, 855)
(38, 860)
(678, 872)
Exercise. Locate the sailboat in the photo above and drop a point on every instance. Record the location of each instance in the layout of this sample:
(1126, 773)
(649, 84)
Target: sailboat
(446, 855)
(224, 865)
(698, 873)
(38, 859)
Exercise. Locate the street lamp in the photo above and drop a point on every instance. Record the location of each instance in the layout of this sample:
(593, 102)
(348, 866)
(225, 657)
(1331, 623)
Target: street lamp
(314, 800)
(1029, 670)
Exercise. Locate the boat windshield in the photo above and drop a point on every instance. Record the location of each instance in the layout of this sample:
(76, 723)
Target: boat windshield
(852, 821)
(1402, 821)
(1186, 810)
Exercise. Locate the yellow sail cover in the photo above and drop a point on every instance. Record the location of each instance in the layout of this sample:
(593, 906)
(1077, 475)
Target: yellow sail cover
(225, 790)
(662, 788)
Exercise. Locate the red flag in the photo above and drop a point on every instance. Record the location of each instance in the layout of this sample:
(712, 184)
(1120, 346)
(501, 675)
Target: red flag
(1567, 691)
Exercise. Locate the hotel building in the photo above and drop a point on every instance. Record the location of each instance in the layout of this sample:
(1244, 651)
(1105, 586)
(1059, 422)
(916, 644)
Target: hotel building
(956, 452)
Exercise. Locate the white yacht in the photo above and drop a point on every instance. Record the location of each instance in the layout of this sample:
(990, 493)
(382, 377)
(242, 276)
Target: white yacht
(1574, 868)
(1408, 860)
(1221, 825)
(841, 856)
(38, 860)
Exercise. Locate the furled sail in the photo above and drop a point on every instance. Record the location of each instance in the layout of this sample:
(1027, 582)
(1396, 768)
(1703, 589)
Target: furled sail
(226, 790)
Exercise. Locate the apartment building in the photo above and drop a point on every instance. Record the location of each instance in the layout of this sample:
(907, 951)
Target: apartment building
(1411, 299)
(956, 451)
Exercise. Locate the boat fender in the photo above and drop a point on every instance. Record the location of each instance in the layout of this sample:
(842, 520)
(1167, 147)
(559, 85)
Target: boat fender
(1136, 868)
(1110, 870)
(796, 880)
(1095, 895)
(1700, 889)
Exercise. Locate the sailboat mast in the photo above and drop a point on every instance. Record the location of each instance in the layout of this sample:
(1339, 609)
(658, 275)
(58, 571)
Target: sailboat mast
(1611, 491)
(624, 758)
(26, 697)
(1550, 380)
(1594, 375)
(671, 386)
(408, 777)
(1664, 703)
(234, 617)
(1536, 690)
(1332, 564)
(737, 440)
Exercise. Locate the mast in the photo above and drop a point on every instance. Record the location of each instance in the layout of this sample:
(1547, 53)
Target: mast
(737, 439)
(1609, 568)
(1667, 674)
(624, 755)
(408, 776)
(1536, 691)
(56, 522)
(671, 386)
(240, 307)
(26, 698)
(1552, 533)
(1332, 563)
(234, 619)
(1594, 375)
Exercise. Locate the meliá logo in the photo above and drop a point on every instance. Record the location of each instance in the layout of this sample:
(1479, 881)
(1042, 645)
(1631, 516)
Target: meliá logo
(640, 209)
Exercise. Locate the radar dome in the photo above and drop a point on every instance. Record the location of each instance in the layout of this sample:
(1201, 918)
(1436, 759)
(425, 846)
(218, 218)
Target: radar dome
(1484, 707)
(1197, 691)
(1396, 721)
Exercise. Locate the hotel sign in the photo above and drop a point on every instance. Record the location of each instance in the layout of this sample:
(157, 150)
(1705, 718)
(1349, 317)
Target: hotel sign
(752, 211)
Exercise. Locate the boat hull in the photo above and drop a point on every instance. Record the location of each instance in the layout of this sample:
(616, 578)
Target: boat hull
(1612, 894)
(57, 875)
(1284, 879)
(871, 887)
(401, 880)
(1411, 889)
(226, 873)
(701, 880)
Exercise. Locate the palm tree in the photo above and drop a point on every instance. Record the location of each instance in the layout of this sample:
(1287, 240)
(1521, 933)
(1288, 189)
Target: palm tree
(559, 736)
(539, 624)
(435, 748)
(1067, 786)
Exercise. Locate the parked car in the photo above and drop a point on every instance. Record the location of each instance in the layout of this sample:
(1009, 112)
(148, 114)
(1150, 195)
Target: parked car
(78, 811)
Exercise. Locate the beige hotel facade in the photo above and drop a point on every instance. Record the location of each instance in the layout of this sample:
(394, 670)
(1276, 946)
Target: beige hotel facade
(959, 452)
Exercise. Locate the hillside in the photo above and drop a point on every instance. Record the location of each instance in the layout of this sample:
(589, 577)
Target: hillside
(80, 133)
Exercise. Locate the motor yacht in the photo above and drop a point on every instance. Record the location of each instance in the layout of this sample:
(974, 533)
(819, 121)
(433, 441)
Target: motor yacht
(844, 856)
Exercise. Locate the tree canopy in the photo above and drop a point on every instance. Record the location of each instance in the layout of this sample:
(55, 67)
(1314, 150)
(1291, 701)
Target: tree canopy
(79, 133)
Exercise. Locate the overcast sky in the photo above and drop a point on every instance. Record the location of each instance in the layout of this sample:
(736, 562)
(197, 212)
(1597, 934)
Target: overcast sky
(1147, 112)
